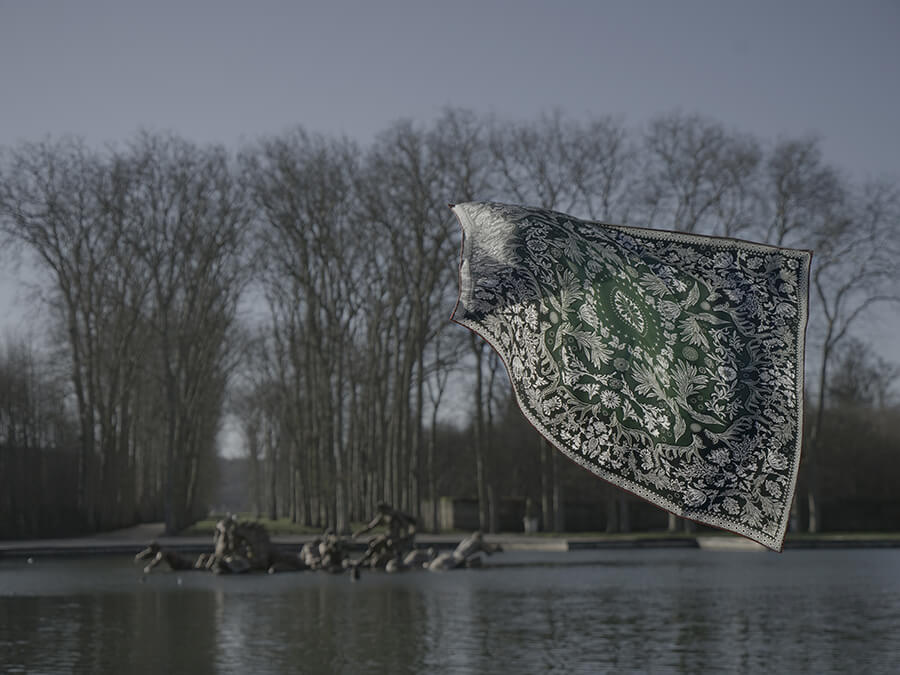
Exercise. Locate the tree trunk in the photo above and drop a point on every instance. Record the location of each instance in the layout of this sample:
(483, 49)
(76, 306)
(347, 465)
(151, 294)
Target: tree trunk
(559, 524)
(547, 519)
(612, 519)
(480, 483)
(624, 514)
(673, 523)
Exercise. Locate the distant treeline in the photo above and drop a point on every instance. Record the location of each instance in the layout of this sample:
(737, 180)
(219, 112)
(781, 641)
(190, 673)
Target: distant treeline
(302, 284)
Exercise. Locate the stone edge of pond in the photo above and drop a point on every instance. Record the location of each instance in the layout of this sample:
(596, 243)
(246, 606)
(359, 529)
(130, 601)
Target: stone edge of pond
(93, 546)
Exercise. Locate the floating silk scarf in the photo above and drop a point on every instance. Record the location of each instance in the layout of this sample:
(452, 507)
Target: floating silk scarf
(670, 365)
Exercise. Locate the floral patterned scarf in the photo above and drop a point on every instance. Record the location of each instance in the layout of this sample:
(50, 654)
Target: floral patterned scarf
(669, 364)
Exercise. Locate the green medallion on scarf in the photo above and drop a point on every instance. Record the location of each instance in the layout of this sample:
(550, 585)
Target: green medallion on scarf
(668, 364)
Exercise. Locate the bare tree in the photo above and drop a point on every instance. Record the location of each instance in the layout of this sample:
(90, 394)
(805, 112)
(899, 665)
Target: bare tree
(854, 270)
(312, 275)
(409, 174)
(801, 192)
(192, 243)
(445, 359)
(558, 163)
(696, 176)
(66, 206)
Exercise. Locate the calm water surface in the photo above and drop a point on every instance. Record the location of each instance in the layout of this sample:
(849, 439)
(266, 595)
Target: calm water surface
(579, 612)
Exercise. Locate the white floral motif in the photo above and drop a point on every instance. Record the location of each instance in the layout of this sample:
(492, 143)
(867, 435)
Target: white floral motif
(731, 506)
(628, 311)
(609, 399)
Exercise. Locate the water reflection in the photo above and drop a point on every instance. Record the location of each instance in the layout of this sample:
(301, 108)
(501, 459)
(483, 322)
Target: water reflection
(688, 611)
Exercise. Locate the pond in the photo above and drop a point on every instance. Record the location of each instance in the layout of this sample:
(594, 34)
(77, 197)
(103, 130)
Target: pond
(680, 610)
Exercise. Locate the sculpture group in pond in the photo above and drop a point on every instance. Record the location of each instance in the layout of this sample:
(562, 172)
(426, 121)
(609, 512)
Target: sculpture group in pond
(241, 546)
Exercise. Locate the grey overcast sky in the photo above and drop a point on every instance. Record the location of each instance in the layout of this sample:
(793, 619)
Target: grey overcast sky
(228, 71)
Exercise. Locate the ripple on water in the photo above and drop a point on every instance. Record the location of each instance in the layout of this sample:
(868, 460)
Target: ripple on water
(580, 612)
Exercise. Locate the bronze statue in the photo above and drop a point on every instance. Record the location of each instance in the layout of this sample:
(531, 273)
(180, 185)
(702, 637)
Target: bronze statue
(238, 547)
(401, 526)
(465, 554)
(391, 546)
(156, 554)
(333, 553)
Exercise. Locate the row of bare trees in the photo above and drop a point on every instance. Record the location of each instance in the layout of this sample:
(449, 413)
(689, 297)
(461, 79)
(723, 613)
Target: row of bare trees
(356, 265)
(140, 256)
(378, 298)
(316, 276)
